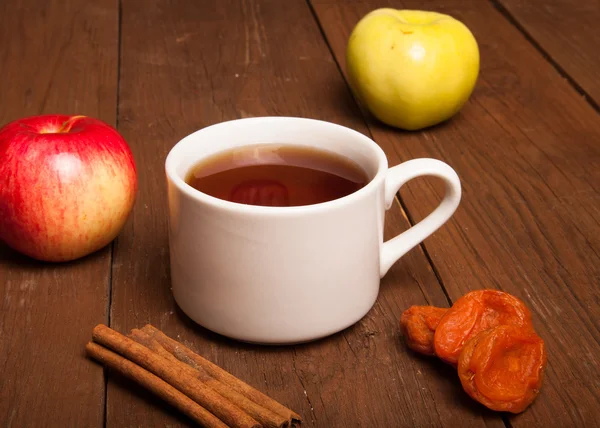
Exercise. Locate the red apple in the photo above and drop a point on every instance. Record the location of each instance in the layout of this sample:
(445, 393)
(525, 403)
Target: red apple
(67, 185)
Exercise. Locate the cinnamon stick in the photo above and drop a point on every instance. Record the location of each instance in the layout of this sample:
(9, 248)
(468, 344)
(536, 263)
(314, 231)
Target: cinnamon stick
(265, 416)
(154, 384)
(192, 387)
(194, 360)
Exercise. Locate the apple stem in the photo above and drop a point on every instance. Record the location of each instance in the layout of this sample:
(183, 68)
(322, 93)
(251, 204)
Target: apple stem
(66, 127)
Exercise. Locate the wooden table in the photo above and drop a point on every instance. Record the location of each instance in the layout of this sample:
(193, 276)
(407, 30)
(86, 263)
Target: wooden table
(526, 146)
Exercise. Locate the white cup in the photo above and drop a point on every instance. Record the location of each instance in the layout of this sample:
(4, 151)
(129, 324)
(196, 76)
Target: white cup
(281, 275)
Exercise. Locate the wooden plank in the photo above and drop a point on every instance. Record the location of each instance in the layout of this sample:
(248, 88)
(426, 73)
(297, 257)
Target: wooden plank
(186, 65)
(566, 31)
(57, 57)
(526, 148)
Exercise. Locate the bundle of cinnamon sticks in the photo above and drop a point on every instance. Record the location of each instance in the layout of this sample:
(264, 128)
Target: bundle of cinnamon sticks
(200, 389)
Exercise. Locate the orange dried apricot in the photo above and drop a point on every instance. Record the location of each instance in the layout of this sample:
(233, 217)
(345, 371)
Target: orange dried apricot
(475, 312)
(503, 367)
(418, 324)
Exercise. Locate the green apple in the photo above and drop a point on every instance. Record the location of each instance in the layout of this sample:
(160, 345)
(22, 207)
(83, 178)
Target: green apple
(412, 69)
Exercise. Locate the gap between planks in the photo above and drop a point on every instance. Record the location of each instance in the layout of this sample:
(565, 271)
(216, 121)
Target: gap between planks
(497, 4)
(112, 245)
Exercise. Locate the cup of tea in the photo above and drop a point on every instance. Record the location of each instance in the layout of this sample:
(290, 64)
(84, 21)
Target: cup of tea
(276, 226)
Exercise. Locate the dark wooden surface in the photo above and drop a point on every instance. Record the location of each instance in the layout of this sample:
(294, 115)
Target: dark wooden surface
(55, 56)
(565, 30)
(526, 146)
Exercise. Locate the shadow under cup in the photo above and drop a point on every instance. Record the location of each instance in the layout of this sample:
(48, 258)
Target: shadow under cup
(275, 275)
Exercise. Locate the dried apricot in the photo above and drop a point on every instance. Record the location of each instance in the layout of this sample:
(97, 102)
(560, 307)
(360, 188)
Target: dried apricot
(418, 324)
(472, 313)
(503, 367)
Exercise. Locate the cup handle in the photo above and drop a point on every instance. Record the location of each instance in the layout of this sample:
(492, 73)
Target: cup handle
(396, 177)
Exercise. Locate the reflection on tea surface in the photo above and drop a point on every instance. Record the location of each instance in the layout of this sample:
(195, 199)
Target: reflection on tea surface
(277, 175)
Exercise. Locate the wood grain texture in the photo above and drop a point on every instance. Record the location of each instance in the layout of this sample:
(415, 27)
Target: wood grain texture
(526, 147)
(186, 65)
(57, 57)
(566, 31)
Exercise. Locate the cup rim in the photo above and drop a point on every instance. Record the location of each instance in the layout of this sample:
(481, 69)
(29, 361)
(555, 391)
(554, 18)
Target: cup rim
(182, 186)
